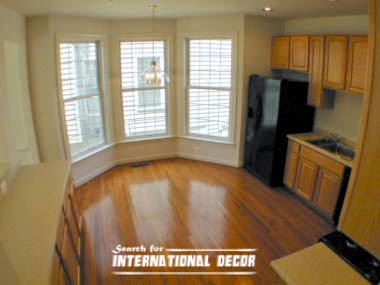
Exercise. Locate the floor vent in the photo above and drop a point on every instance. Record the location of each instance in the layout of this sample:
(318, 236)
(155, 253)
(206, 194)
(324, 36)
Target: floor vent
(140, 164)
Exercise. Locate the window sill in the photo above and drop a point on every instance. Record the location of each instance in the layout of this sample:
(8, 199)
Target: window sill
(142, 139)
(206, 140)
(91, 153)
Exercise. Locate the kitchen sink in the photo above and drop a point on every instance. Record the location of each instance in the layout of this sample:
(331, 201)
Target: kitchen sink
(333, 146)
(320, 142)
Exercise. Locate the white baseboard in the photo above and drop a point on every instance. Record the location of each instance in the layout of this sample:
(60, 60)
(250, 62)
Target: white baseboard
(95, 173)
(146, 158)
(207, 159)
(107, 167)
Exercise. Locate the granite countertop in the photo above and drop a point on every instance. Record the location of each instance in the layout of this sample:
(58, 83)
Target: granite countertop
(303, 138)
(316, 265)
(29, 216)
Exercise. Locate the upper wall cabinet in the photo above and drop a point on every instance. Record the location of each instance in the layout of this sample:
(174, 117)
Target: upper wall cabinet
(299, 53)
(335, 62)
(280, 52)
(317, 52)
(357, 64)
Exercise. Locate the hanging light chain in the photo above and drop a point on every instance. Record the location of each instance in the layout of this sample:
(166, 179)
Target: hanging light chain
(154, 26)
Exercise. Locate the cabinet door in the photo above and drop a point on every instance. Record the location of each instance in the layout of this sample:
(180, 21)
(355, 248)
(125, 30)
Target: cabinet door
(280, 52)
(299, 53)
(62, 277)
(73, 225)
(316, 96)
(335, 62)
(291, 164)
(306, 178)
(357, 64)
(56, 268)
(70, 261)
(291, 169)
(327, 191)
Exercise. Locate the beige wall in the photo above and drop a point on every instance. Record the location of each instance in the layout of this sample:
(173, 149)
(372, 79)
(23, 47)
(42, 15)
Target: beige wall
(345, 118)
(44, 94)
(17, 143)
(17, 140)
(258, 32)
(357, 24)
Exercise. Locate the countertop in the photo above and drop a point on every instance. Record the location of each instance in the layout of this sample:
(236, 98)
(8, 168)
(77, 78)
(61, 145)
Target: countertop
(316, 265)
(302, 139)
(29, 216)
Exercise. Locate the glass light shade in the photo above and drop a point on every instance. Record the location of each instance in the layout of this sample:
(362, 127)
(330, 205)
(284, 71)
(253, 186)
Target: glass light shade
(153, 75)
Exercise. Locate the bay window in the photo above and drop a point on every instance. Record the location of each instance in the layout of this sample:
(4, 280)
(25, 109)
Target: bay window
(81, 96)
(144, 104)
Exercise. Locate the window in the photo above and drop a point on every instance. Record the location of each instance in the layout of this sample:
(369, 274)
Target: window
(81, 96)
(144, 105)
(208, 85)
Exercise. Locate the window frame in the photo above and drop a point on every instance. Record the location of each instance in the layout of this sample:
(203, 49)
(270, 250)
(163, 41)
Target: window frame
(100, 40)
(168, 46)
(233, 90)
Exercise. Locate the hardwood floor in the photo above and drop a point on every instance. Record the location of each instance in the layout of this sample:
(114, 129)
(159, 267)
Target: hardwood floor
(181, 203)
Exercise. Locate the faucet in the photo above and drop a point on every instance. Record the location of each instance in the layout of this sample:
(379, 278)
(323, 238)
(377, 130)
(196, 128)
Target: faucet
(337, 138)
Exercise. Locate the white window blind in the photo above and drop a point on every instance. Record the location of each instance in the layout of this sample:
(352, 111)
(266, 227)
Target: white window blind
(209, 79)
(81, 94)
(144, 105)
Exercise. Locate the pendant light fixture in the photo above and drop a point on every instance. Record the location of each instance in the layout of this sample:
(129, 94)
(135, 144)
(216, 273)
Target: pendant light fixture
(153, 75)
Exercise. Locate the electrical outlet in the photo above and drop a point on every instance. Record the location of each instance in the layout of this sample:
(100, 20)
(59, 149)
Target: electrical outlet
(196, 148)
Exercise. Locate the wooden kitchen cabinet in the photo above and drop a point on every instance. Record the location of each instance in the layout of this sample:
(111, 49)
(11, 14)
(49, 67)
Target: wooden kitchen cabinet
(318, 178)
(327, 191)
(306, 178)
(291, 164)
(317, 96)
(335, 66)
(299, 53)
(67, 269)
(280, 52)
(357, 64)
(69, 259)
(62, 279)
(73, 225)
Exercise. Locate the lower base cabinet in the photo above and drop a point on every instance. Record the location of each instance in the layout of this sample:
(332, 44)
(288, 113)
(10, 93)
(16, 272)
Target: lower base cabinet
(318, 178)
(307, 176)
(327, 191)
(67, 259)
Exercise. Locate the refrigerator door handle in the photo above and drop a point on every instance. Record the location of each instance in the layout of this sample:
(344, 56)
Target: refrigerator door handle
(259, 112)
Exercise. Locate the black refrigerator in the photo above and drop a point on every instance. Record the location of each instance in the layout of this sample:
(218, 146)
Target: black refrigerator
(276, 107)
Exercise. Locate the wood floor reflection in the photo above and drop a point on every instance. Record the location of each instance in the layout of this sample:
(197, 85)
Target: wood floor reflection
(179, 203)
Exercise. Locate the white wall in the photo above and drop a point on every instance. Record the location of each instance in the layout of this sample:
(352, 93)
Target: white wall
(345, 118)
(17, 143)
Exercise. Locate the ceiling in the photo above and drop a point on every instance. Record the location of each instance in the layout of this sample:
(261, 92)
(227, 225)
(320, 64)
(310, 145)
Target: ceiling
(182, 8)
